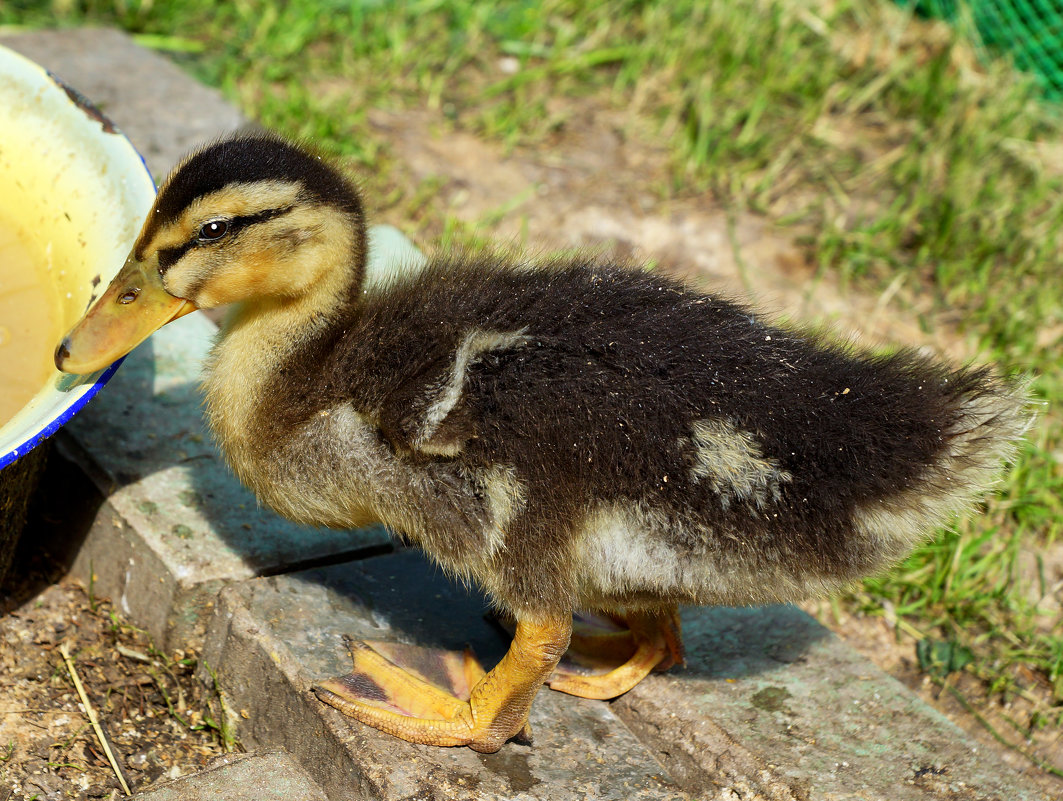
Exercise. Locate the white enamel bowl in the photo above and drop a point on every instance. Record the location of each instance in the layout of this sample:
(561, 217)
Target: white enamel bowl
(77, 191)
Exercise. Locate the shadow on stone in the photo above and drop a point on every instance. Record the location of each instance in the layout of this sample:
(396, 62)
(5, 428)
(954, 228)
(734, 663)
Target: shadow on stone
(730, 643)
(273, 638)
(410, 597)
(405, 597)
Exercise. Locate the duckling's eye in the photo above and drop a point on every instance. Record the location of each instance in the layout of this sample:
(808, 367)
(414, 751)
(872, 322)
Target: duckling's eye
(213, 230)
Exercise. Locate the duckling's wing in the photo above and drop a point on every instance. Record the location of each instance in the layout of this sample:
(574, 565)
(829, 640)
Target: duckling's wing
(431, 414)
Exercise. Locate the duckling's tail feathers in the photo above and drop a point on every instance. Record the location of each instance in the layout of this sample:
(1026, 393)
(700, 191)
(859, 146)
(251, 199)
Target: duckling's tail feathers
(990, 415)
(993, 415)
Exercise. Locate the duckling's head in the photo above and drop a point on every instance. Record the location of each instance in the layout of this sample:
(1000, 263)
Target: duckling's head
(251, 219)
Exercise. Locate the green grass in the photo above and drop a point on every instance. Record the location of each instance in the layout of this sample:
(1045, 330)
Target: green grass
(894, 156)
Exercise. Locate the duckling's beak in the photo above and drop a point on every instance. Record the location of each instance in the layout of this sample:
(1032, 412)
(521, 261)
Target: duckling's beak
(135, 305)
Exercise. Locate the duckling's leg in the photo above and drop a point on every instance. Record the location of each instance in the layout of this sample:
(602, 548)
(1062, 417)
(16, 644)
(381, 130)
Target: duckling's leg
(608, 663)
(400, 702)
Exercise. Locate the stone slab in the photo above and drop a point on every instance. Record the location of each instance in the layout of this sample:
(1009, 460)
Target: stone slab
(272, 638)
(772, 704)
(270, 776)
(162, 110)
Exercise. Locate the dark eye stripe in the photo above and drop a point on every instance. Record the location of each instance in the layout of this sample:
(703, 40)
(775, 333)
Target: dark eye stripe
(236, 223)
(170, 256)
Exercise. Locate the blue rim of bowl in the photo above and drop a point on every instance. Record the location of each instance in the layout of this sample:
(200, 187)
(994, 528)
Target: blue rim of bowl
(64, 416)
(58, 422)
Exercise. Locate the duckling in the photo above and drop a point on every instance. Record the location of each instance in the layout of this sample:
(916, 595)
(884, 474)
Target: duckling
(570, 434)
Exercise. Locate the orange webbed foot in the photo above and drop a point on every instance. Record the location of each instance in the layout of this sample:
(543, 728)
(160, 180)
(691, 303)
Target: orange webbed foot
(609, 656)
(390, 689)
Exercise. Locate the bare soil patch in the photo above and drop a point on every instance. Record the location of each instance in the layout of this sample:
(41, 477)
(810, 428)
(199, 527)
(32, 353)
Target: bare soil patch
(148, 703)
(47, 747)
(600, 184)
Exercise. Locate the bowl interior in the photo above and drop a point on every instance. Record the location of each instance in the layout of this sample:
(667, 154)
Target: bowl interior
(74, 191)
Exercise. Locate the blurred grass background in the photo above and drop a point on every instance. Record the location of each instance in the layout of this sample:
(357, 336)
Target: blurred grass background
(895, 154)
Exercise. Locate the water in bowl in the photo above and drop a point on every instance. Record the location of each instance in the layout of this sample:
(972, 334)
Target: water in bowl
(29, 322)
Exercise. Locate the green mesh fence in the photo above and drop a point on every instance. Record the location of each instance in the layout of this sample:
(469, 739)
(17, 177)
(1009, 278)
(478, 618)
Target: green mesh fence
(1030, 30)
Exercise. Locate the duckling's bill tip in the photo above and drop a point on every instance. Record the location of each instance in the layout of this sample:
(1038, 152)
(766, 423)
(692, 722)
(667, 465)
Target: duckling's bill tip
(133, 307)
(62, 353)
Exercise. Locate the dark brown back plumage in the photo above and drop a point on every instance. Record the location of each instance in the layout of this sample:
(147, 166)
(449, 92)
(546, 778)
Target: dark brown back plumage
(597, 402)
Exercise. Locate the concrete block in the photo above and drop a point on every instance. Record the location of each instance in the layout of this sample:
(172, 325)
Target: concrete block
(163, 111)
(270, 776)
(771, 704)
(271, 638)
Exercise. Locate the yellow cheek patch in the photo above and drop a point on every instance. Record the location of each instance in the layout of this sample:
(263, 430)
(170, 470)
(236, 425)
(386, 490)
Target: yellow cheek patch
(282, 256)
(252, 274)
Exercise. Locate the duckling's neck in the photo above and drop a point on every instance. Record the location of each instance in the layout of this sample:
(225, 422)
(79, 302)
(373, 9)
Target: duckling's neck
(255, 341)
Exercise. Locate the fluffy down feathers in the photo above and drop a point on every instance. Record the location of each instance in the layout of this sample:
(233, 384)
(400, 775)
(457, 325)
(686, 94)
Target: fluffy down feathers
(578, 435)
